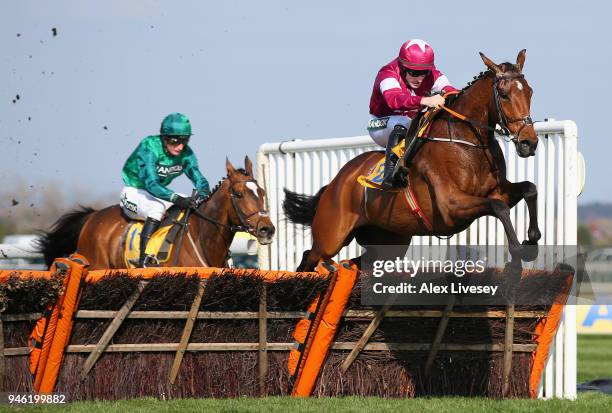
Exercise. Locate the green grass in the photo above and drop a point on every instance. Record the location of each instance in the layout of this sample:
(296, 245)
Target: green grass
(594, 357)
(594, 361)
(589, 402)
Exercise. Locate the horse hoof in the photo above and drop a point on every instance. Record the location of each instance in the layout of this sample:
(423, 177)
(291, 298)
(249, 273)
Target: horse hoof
(529, 251)
(534, 236)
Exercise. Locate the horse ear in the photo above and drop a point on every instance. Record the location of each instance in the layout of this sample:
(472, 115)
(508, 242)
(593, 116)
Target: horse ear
(520, 59)
(248, 165)
(489, 63)
(230, 168)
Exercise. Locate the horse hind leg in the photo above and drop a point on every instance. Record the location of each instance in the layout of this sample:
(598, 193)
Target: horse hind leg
(376, 236)
(310, 259)
(327, 240)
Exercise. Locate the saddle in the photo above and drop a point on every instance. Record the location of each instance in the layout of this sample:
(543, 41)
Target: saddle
(418, 130)
(161, 242)
(375, 177)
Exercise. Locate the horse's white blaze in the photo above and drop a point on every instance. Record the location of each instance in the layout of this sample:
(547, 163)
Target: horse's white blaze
(253, 187)
(519, 85)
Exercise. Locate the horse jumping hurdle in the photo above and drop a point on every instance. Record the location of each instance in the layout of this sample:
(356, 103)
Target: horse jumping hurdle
(557, 170)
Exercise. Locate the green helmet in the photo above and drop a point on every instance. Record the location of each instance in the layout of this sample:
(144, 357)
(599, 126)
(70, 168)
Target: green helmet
(175, 124)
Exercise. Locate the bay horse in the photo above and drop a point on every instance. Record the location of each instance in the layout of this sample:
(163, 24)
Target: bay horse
(454, 182)
(235, 204)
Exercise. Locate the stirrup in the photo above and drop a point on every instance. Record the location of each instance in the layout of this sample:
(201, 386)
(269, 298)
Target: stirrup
(149, 260)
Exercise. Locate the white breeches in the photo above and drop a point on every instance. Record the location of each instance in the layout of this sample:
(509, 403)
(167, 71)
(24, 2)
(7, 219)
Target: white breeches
(140, 204)
(380, 128)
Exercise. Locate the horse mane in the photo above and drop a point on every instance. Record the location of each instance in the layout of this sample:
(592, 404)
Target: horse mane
(481, 75)
(218, 185)
(506, 67)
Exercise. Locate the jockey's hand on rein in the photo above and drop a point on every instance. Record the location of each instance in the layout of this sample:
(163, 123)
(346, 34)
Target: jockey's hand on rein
(433, 101)
(186, 203)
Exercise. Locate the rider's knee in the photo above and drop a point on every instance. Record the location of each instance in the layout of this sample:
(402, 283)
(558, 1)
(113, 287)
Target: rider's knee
(156, 211)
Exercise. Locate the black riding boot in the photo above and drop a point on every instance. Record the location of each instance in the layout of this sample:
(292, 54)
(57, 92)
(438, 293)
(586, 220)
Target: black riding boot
(397, 134)
(148, 229)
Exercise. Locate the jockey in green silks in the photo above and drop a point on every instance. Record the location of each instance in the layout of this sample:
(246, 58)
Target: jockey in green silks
(156, 162)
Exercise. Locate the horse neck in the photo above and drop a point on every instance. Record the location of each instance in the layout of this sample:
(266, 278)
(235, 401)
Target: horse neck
(475, 103)
(215, 240)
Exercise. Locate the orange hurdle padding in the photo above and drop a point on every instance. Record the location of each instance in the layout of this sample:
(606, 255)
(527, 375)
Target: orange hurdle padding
(37, 338)
(324, 334)
(60, 325)
(300, 334)
(38, 360)
(545, 333)
(303, 333)
(64, 324)
(6, 274)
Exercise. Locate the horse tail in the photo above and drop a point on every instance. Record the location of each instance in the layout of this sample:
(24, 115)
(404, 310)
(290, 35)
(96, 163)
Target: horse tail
(300, 208)
(63, 237)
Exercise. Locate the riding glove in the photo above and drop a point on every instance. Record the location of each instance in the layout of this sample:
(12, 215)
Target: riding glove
(185, 203)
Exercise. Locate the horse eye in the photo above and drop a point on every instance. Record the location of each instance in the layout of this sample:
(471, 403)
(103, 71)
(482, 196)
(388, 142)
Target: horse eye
(238, 194)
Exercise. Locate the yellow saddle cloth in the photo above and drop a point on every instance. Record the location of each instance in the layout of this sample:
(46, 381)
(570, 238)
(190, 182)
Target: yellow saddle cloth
(159, 245)
(375, 177)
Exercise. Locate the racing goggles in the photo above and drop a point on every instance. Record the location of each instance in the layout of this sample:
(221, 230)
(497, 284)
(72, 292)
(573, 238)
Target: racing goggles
(417, 73)
(177, 140)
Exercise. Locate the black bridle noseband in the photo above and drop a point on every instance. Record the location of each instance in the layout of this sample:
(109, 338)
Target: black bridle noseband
(244, 219)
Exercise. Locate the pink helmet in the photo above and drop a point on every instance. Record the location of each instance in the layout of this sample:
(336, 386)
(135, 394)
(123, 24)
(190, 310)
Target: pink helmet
(416, 54)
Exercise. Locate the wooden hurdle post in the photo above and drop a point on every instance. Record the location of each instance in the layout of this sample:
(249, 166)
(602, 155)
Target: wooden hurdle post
(363, 341)
(435, 346)
(263, 341)
(191, 318)
(112, 329)
(508, 349)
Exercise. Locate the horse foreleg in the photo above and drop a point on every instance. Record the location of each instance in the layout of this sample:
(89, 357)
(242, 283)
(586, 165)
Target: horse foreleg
(468, 207)
(512, 193)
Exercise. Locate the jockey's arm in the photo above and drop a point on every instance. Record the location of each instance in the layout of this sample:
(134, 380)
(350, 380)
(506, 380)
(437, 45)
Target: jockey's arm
(148, 175)
(397, 99)
(190, 166)
(441, 85)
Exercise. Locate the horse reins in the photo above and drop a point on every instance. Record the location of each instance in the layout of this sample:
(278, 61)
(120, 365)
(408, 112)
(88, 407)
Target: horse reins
(244, 219)
(409, 197)
(503, 119)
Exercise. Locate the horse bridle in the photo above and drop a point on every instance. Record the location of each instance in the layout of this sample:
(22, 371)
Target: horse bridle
(501, 115)
(242, 217)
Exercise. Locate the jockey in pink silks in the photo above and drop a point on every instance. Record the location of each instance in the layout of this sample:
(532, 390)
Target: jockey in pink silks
(401, 89)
